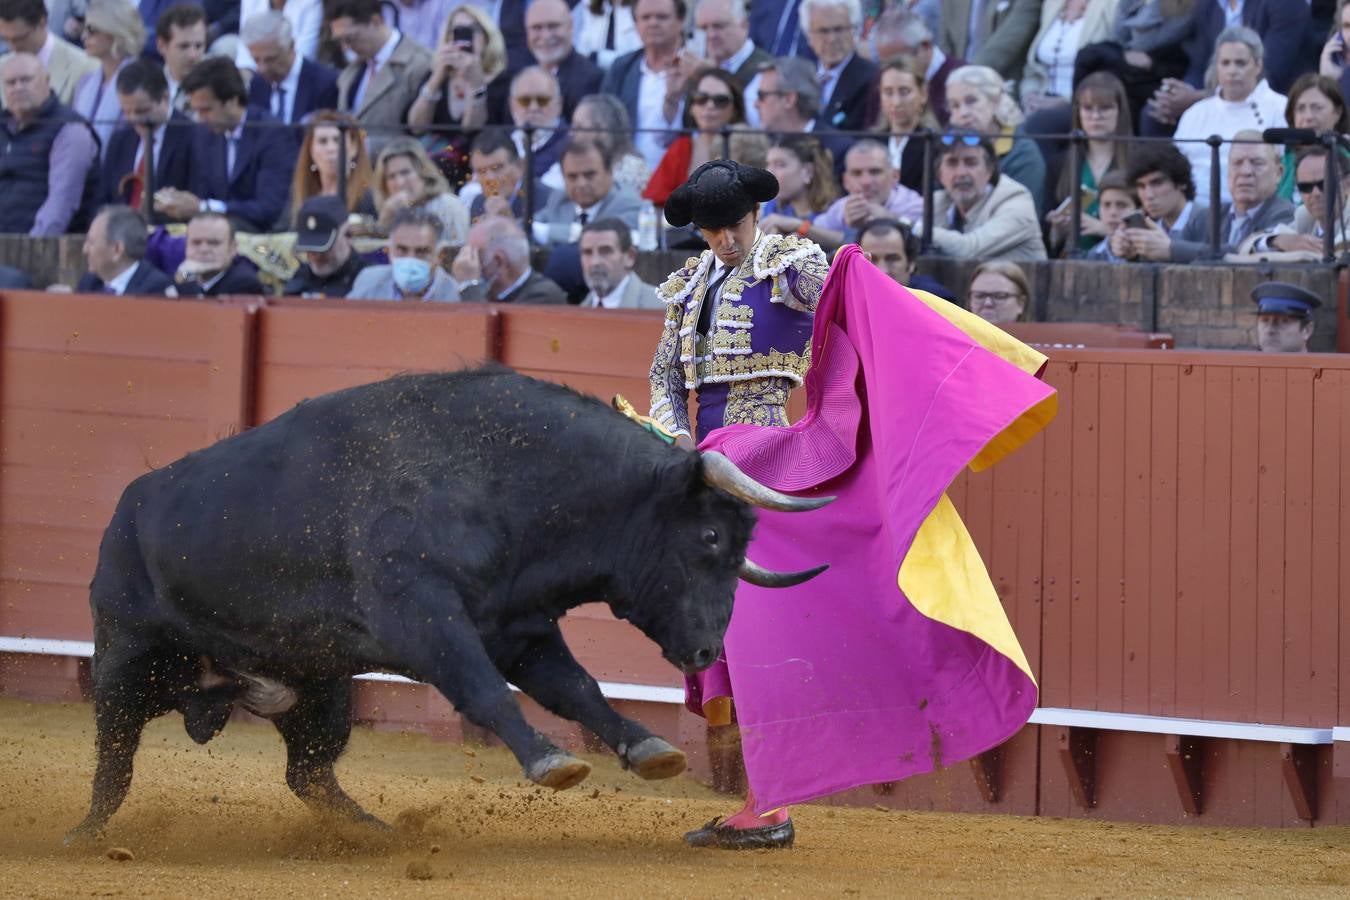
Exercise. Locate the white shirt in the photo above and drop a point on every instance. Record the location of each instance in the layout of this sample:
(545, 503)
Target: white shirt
(829, 78)
(1057, 52)
(938, 61)
(175, 101)
(1262, 109)
(515, 284)
(751, 92)
(370, 74)
(119, 284)
(1231, 17)
(651, 144)
(285, 91)
(896, 148)
(1180, 224)
(612, 300)
(306, 21)
(590, 33)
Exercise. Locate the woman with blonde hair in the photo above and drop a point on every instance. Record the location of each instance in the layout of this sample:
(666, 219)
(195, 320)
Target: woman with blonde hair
(999, 292)
(406, 177)
(604, 119)
(113, 35)
(468, 63)
(316, 168)
(977, 102)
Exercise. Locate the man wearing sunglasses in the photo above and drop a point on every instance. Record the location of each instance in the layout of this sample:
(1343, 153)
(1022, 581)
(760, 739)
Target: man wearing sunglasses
(977, 214)
(1306, 233)
(536, 102)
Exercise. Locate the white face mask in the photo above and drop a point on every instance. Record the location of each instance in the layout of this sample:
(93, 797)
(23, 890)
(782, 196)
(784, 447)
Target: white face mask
(411, 275)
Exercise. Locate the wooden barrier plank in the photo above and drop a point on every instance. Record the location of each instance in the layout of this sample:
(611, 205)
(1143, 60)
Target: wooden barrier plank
(1343, 503)
(1162, 641)
(73, 441)
(281, 386)
(100, 487)
(104, 383)
(1244, 538)
(1083, 633)
(1296, 708)
(40, 609)
(1109, 587)
(980, 503)
(1190, 564)
(1328, 457)
(1016, 548)
(1211, 595)
(410, 336)
(49, 553)
(1135, 628)
(1270, 548)
(118, 326)
(1058, 530)
(603, 387)
(232, 344)
(582, 341)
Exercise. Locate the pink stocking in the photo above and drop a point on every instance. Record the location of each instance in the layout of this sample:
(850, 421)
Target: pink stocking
(746, 817)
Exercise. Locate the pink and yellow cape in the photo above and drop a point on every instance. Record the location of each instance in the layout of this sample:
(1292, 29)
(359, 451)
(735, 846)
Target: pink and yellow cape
(899, 659)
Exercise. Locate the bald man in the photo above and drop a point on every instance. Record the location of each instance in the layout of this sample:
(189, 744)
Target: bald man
(47, 172)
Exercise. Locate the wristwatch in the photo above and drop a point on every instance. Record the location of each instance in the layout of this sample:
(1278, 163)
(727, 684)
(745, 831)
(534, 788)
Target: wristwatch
(429, 96)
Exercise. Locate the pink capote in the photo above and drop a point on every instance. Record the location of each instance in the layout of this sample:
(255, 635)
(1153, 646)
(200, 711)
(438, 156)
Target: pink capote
(841, 682)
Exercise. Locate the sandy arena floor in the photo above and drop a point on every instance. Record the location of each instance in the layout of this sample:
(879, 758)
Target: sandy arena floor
(218, 821)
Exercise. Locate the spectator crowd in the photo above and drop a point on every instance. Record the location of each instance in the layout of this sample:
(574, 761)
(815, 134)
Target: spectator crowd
(384, 134)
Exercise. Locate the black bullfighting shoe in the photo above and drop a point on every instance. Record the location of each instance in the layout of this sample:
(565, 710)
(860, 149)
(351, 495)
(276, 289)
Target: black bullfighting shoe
(720, 837)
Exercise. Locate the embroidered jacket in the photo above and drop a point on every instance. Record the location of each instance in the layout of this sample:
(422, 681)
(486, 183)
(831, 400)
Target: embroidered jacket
(758, 343)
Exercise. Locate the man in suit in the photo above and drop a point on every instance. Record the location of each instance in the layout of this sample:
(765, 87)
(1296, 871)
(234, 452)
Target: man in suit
(727, 30)
(211, 266)
(500, 176)
(590, 194)
(23, 26)
(380, 85)
(284, 83)
(548, 32)
(416, 237)
(494, 265)
(242, 162)
(537, 103)
(993, 33)
(776, 27)
(114, 252)
(180, 38)
(143, 94)
(651, 81)
(832, 28)
(900, 32)
(789, 103)
(607, 260)
(1254, 173)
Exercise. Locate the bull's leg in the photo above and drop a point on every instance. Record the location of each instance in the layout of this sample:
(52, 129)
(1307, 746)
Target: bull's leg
(448, 653)
(130, 689)
(548, 672)
(316, 731)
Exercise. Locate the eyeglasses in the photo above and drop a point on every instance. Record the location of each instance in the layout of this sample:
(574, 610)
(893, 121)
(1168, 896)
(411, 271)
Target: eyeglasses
(719, 101)
(1307, 187)
(1094, 110)
(966, 140)
(832, 31)
(980, 297)
(528, 100)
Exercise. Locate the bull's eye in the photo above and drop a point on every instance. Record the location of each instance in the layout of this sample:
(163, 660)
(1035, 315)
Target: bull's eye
(710, 537)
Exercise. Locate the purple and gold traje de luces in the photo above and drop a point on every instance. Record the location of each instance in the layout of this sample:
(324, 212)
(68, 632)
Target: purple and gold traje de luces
(899, 659)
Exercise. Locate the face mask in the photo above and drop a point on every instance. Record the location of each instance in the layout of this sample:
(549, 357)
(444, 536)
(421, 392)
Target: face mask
(412, 275)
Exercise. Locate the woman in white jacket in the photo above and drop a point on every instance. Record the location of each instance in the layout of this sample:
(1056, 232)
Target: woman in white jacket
(1242, 100)
(1067, 26)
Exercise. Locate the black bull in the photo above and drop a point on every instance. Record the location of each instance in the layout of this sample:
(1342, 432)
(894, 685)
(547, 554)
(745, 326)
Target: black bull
(435, 526)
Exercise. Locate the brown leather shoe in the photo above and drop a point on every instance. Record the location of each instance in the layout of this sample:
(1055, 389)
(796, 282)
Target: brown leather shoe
(720, 837)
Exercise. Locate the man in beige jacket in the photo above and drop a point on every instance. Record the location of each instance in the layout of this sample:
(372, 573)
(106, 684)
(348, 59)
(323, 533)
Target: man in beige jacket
(23, 26)
(978, 215)
(380, 86)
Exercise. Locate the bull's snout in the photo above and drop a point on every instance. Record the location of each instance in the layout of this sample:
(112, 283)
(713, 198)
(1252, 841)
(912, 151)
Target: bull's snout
(699, 660)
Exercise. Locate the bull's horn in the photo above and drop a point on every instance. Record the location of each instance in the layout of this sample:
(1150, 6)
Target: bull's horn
(757, 574)
(721, 472)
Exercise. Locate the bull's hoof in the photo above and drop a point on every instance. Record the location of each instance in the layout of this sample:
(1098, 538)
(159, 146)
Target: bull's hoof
(85, 834)
(559, 771)
(654, 758)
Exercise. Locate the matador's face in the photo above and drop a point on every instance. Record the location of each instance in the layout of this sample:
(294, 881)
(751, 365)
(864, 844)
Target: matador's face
(732, 243)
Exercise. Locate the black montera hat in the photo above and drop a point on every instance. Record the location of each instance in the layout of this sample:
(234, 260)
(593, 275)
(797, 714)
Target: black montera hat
(719, 194)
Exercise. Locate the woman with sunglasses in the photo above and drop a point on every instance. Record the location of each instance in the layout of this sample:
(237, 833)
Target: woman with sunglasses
(113, 35)
(715, 100)
(1101, 110)
(978, 103)
(998, 292)
(903, 109)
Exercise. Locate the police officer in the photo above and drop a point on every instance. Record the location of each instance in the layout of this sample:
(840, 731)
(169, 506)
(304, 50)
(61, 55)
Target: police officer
(1284, 314)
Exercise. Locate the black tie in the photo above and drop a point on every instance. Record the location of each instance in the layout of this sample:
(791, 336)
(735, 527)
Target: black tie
(583, 218)
(709, 301)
